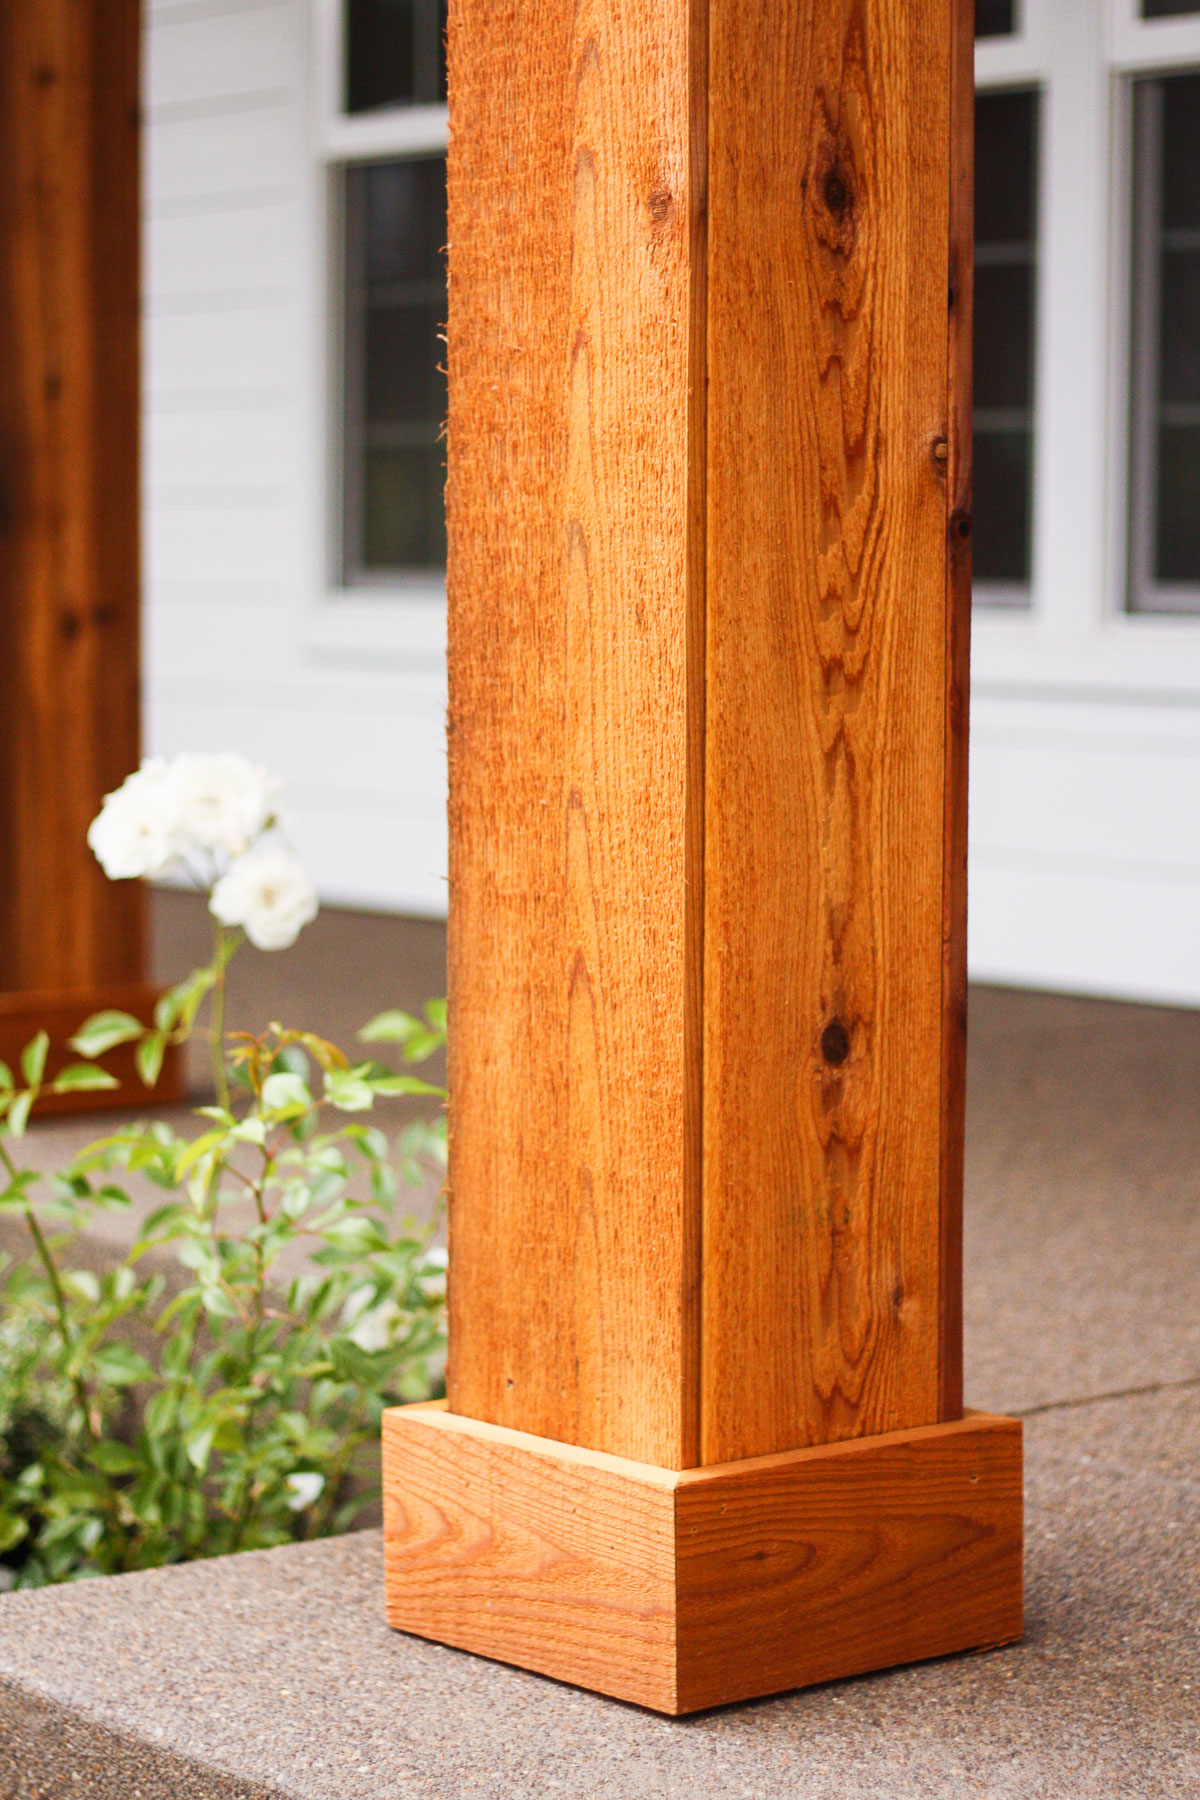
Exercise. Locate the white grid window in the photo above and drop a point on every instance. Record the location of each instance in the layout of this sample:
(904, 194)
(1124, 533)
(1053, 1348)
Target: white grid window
(1164, 345)
(384, 135)
(1006, 162)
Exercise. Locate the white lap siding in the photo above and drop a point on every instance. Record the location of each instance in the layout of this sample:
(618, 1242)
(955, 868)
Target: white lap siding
(244, 649)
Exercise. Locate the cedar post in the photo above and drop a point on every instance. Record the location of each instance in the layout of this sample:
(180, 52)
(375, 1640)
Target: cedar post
(71, 942)
(709, 503)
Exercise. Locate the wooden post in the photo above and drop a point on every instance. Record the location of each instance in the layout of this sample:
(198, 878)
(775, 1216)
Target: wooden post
(71, 941)
(709, 508)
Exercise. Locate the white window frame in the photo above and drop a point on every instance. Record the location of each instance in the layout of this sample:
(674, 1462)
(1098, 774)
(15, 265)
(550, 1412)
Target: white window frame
(1018, 61)
(403, 617)
(1178, 598)
(1077, 638)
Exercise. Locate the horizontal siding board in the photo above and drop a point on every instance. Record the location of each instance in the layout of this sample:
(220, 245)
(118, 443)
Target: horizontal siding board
(1085, 931)
(218, 544)
(371, 755)
(391, 860)
(241, 356)
(252, 149)
(220, 252)
(242, 248)
(210, 57)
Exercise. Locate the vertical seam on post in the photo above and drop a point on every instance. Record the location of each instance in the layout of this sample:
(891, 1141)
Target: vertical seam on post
(957, 689)
(697, 685)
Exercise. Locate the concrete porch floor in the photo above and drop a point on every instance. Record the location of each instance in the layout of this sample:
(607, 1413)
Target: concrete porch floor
(274, 1675)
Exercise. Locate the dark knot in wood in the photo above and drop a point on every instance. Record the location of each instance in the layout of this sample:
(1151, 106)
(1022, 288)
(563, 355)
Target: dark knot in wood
(835, 1043)
(661, 204)
(837, 193)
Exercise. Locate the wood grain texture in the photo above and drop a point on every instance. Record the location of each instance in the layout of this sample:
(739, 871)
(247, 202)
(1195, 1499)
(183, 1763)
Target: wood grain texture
(680, 1590)
(829, 1562)
(60, 1015)
(572, 499)
(511, 1547)
(69, 704)
(958, 692)
(832, 926)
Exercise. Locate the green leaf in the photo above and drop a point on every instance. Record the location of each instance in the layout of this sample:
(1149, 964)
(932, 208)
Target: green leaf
(149, 1056)
(198, 1445)
(13, 1529)
(217, 1303)
(435, 1012)
(118, 1365)
(111, 1195)
(113, 1458)
(390, 1028)
(199, 1147)
(406, 1084)
(358, 1234)
(181, 1003)
(33, 1058)
(286, 1092)
(104, 1030)
(18, 1114)
(348, 1091)
(77, 1077)
(6, 1076)
(83, 1284)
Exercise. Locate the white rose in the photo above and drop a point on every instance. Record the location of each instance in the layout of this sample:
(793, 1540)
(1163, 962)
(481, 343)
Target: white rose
(432, 1277)
(224, 801)
(306, 1489)
(375, 1329)
(136, 831)
(268, 894)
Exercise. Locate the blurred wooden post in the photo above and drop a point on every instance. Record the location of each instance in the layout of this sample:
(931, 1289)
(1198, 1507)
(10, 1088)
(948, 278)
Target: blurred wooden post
(71, 941)
(709, 509)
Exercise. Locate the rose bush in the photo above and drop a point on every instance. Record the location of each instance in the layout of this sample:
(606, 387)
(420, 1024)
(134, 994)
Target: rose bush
(221, 1387)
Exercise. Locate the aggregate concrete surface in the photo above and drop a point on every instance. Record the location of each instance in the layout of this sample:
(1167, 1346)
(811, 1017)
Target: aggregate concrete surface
(273, 1675)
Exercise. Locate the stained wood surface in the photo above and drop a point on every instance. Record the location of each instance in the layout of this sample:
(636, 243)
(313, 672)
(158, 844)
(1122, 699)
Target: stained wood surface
(833, 924)
(574, 706)
(505, 1545)
(685, 1590)
(829, 1562)
(958, 695)
(709, 566)
(69, 707)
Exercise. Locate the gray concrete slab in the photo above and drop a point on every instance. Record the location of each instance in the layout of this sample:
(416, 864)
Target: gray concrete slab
(1083, 1198)
(274, 1675)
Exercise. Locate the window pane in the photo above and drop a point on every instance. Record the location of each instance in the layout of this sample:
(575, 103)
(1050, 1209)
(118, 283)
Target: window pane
(395, 390)
(1005, 308)
(1167, 9)
(1164, 536)
(995, 18)
(395, 53)
(1001, 526)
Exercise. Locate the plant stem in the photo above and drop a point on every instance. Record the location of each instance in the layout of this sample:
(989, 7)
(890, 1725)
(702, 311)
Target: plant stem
(356, 1435)
(79, 1386)
(220, 964)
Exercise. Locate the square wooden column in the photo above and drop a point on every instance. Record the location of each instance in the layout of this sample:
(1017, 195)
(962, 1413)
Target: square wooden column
(71, 941)
(709, 506)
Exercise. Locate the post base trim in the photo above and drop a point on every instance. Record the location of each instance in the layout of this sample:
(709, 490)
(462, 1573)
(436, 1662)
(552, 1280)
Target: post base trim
(680, 1590)
(61, 1013)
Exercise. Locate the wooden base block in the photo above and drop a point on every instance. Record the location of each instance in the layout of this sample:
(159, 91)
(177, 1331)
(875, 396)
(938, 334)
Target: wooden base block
(22, 1016)
(682, 1590)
